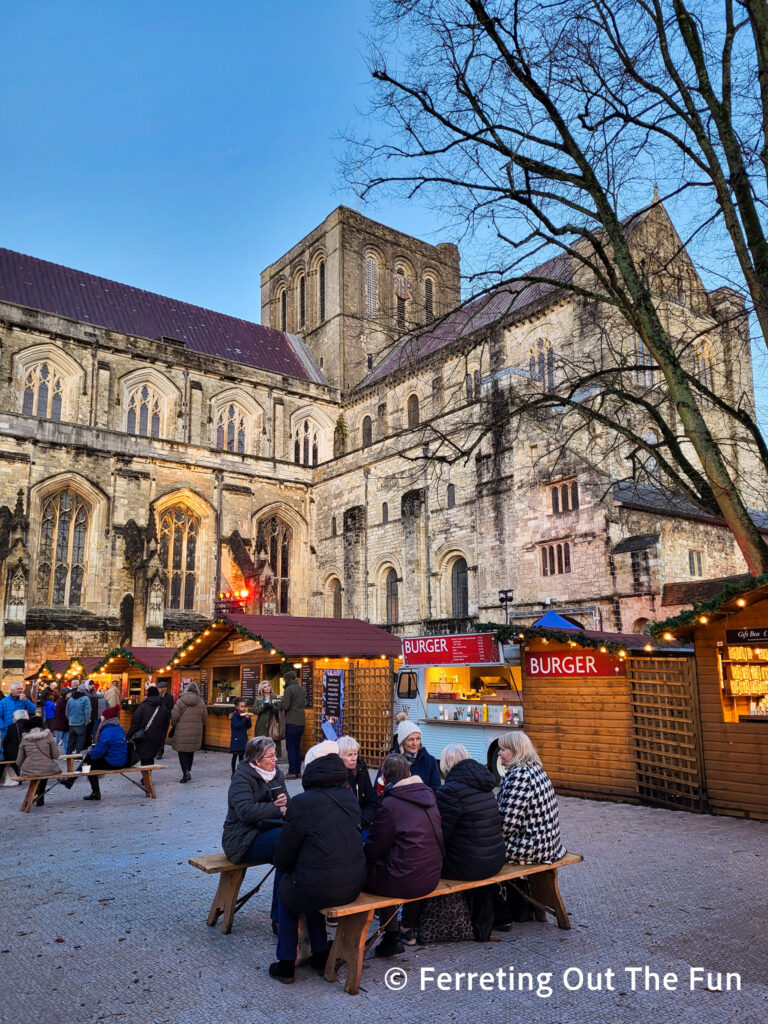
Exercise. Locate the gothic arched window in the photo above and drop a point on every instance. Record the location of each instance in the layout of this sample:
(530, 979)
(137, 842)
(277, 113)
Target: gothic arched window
(542, 364)
(336, 598)
(178, 531)
(429, 300)
(367, 432)
(61, 558)
(305, 444)
(230, 429)
(144, 411)
(302, 303)
(451, 496)
(321, 291)
(283, 307)
(459, 589)
(371, 284)
(274, 540)
(392, 610)
(413, 410)
(43, 392)
(385, 512)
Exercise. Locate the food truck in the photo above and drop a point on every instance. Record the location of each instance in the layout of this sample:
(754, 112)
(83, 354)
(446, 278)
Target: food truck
(461, 688)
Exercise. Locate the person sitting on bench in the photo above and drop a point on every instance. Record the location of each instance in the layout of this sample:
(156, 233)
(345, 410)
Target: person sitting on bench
(109, 751)
(530, 819)
(38, 753)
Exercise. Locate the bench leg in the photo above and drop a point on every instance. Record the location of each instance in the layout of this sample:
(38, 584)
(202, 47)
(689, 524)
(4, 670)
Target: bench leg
(544, 888)
(224, 902)
(31, 793)
(349, 947)
(149, 787)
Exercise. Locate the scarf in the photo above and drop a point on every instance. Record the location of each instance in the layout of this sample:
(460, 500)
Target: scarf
(267, 776)
(410, 758)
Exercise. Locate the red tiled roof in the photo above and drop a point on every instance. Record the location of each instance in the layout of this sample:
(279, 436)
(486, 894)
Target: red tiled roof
(52, 288)
(695, 591)
(470, 318)
(319, 638)
(152, 657)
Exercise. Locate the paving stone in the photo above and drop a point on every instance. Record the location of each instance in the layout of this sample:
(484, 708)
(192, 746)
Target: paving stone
(103, 921)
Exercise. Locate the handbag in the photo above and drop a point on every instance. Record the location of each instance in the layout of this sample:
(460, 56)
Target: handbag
(173, 727)
(141, 732)
(446, 919)
(276, 727)
(132, 755)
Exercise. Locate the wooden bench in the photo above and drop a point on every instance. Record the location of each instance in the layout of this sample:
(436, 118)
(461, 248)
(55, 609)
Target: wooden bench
(355, 918)
(146, 783)
(227, 900)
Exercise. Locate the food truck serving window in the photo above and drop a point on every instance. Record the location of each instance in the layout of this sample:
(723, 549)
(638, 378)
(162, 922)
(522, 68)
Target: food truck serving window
(406, 686)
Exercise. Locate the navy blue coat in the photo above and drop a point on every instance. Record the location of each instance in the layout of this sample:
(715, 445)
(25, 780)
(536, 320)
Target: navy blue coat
(425, 766)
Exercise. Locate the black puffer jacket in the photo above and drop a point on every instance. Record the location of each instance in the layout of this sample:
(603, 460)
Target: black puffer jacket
(474, 844)
(362, 787)
(154, 710)
(319, 847)
(250, 807)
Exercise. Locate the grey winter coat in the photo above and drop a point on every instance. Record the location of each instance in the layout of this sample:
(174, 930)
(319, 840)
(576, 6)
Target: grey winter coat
(188, 716)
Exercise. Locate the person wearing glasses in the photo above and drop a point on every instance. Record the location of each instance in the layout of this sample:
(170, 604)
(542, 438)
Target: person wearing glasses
(256, 805)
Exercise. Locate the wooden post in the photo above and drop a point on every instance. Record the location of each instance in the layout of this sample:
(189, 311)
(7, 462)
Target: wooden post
(544, 889)
(349, 947)
(225, 899)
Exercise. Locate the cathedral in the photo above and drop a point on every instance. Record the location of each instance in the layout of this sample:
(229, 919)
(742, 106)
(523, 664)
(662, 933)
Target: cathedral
(344, 457)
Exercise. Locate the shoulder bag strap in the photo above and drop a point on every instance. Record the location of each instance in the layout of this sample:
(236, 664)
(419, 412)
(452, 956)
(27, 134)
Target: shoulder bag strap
(437, 837)
(43, 752)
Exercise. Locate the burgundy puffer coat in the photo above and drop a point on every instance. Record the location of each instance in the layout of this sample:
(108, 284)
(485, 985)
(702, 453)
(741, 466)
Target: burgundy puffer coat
(404, 846)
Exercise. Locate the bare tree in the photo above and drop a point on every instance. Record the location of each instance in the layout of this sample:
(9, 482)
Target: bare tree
(539, 126)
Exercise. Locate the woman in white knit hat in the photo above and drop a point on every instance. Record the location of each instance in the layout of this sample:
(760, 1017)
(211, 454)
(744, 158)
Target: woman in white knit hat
(420, 761)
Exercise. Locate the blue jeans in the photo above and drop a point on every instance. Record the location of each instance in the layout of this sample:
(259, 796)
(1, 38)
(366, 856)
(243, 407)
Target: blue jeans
(77, 738)
(62, 735)
(260, 852)
(288, 931)
(293, 734)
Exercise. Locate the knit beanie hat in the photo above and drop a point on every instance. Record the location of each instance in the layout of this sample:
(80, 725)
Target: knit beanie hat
(320, 750)
(108, 713)
(406, 729)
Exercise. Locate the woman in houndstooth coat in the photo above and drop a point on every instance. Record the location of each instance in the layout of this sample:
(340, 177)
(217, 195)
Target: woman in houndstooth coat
(527, 804)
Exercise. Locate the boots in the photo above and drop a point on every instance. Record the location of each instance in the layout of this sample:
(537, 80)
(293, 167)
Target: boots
(319, 960)
(186, 777)
(390, 945)
(283, 970)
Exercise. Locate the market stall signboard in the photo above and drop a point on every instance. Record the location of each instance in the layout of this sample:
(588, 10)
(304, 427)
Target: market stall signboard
(249, 682)
(755, 635)
(460, 649)
(568, 664)
(306, 682)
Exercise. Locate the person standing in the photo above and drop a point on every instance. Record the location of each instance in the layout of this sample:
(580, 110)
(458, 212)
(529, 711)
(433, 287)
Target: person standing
(239, 724)
(149, 726)
(15, 701)
(78, 711)
(265, 711)
(60, 723)
(293, 702)
(188, 721)
(167, 698)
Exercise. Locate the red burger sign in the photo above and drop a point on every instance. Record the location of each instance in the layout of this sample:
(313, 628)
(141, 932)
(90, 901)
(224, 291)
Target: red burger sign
(565, 663)
(459, 649)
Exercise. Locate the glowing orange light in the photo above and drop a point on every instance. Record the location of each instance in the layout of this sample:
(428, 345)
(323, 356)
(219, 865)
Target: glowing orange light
(741, 602)
(703, 620)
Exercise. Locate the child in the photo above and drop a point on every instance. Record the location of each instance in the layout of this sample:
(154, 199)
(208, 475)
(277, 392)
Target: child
(239, 724)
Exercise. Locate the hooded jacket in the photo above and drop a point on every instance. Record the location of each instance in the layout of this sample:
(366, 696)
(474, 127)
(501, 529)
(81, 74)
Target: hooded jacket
(155, 735)
(78, 709)
(110, 744)
(37, 753)
(404, 848)
(319, 847)
(250, 809)
(188, 716)
(474, 844)
(359, 782)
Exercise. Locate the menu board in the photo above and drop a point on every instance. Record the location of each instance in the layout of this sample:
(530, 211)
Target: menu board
(458, 649)
(752, 636)
(307, 679)
(203, 684)
(250, 677)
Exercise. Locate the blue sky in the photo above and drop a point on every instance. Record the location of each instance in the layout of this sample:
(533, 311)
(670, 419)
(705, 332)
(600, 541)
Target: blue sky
(179, 147)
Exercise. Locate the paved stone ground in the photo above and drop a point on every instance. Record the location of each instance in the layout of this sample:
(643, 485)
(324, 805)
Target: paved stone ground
(104, 921)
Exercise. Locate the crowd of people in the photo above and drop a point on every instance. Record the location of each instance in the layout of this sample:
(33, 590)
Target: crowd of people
(342, 835)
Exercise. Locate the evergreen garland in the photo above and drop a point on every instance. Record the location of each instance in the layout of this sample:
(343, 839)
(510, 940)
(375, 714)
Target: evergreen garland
(714, 604)
(122, 652)
(512, 634)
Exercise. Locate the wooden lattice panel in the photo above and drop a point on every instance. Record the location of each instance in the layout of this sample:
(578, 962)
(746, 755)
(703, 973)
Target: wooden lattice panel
(667, 740)
(368, 710)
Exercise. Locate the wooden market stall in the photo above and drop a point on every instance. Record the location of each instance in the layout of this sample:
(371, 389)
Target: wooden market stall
(134, 669)
(613, 715)
(236, 652)
(63, 671)
(730, 637)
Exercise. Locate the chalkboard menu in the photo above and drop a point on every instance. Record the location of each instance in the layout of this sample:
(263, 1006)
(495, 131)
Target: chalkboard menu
(250, 677)
(306, 682)
(203, 684)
